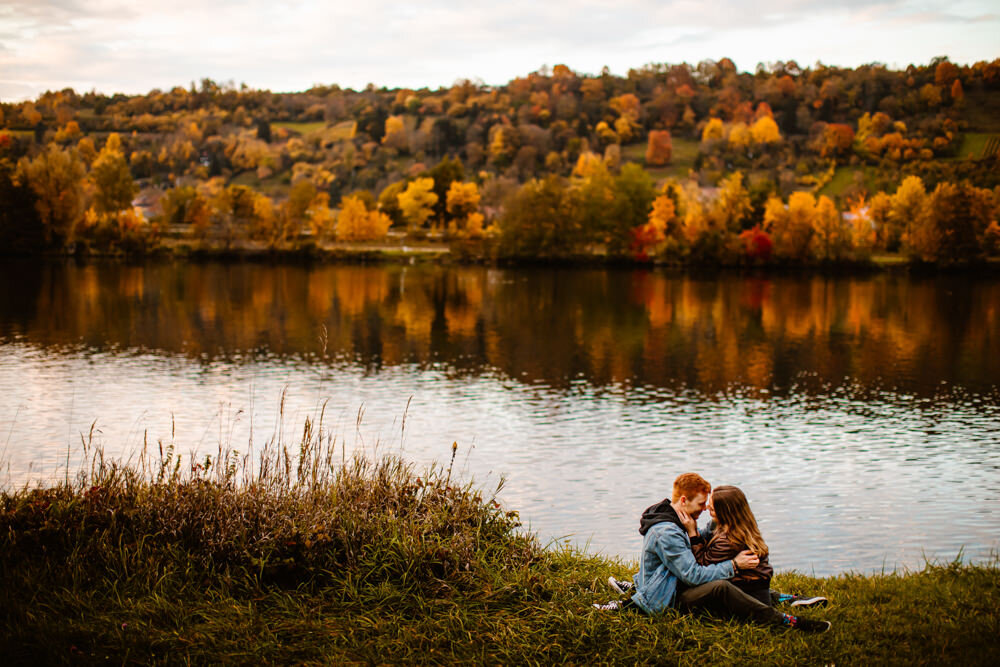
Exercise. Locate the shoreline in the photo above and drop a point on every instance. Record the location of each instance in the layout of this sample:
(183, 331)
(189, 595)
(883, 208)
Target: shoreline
(461, 254)
(367, 562)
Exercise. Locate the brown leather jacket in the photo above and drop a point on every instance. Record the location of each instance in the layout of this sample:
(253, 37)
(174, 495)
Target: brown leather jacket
(718, 549)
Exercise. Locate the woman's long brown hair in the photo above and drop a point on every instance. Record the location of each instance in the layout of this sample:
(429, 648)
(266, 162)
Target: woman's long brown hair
(733, 515)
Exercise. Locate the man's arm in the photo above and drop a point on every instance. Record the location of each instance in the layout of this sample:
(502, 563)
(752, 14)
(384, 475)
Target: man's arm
(675, 552)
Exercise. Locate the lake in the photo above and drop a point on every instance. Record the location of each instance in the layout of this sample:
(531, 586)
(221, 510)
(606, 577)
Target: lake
(860, 415)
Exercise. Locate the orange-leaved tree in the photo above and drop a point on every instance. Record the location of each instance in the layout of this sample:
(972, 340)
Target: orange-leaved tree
(659, 148)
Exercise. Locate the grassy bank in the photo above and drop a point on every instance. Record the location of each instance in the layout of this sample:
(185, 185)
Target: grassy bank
(307, 557)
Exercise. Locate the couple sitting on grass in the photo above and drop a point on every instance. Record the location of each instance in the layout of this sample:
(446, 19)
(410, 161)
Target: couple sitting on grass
(723, 569)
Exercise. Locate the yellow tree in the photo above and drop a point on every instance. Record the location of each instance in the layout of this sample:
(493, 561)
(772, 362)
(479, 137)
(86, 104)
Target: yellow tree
(56, 177)
(416, 203)
(739, 136)
(791, 228)
(356, 223)
(265, 222)
(462, 202)
(907, 206)
(662, 223)
(504, 142)
(663, 217)
(300, 197)
(830, 238)
(111, 174)
(713, 130)
(765, 131)
(395, 133)
(320, 216)
(733, 205)
(86, 150)
(862, 228)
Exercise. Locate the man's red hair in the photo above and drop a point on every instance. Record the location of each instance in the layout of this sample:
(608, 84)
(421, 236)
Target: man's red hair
(689, 484)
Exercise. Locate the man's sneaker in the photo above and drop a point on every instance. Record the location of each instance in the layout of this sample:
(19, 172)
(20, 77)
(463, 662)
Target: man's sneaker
(614, 605)
(817, 601)
(809, 625)
(623, 587)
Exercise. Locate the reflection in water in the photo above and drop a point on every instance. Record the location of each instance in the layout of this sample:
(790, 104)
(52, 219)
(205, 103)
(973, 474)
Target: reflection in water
(861, 415)
(609, 328)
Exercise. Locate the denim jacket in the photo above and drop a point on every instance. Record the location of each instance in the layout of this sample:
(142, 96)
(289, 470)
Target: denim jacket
(666, 559)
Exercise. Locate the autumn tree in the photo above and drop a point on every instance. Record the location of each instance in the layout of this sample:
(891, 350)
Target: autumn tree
(592, 192)
(907, 205)
(714, 130)
(659, 148)
(632, 197)
(538, 221)
(951, 225)
(240, 210)
(444, 173)
(879, 212)
(765, 130)
(830, 240)
(504, 142)
(861, 229)
(388, 201)
(356, 223)
(739, 136)
(416, 202)
(184, 205)
(463, 207)
(320, 217)
(660, 224)
(56, 177)
(111, 174)
(732, 207)
(300, 197)
(791, 228)
(395, 135)
(836, 140)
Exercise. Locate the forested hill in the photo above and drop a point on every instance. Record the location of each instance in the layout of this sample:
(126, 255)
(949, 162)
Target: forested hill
(291, 160)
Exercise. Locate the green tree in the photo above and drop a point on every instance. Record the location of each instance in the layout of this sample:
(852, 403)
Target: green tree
(633, 195)
(538, 220)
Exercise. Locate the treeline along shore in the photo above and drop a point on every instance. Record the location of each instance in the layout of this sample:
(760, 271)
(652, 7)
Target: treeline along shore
(316, 556)
(671, 163)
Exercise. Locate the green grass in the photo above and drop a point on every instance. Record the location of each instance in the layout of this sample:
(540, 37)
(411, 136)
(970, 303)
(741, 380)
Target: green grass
(974, 144)
(315, 557)
(274, 185)
(681, 162)
(343, 131)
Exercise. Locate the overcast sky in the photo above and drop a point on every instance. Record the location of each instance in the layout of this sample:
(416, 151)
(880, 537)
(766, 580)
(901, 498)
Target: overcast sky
(133, 47)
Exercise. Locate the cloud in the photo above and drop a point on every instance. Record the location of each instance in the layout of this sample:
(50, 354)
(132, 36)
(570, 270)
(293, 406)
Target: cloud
(113, 45)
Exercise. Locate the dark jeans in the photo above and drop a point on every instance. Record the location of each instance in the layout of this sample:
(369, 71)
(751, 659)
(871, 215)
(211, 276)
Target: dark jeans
(722, 598)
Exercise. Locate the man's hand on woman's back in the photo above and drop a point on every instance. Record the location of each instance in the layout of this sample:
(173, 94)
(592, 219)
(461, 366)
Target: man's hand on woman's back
(746, 560)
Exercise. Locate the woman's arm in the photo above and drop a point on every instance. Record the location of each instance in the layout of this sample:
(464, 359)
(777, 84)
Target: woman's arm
(717, 550)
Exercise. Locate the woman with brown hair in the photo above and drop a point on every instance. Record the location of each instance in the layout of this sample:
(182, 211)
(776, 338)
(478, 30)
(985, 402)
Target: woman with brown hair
(734, 529)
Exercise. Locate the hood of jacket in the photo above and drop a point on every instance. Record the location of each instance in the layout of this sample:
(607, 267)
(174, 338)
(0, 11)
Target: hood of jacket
(658, 513)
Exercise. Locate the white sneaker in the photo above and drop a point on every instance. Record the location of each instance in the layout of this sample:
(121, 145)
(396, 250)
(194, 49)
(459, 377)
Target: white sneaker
(817, 601)
(614, 605)
(623, 587)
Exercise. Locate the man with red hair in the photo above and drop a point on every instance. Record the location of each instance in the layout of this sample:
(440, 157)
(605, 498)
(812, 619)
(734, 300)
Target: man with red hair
(670, 576)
